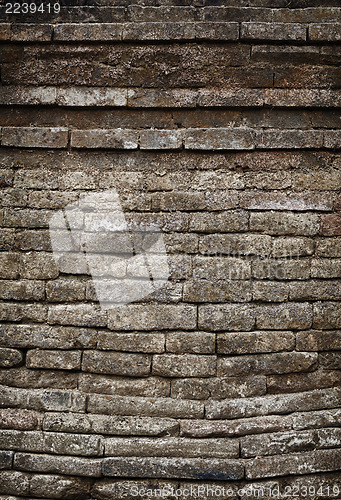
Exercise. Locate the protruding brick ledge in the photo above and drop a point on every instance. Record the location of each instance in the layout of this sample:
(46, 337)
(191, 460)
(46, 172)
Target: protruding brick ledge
(179, 30)
(210, 139)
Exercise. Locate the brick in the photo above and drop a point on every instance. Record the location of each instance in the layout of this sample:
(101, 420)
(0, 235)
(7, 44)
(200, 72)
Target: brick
(187, 342)
(289, 442)
(22, 290)
(221, 268)
(93, 32)
(278, 404)
(325, 268)
(289, 247)
(177, 243)
(35, 137)
(217, 291)
(315, 290)
(287, 139)
(226, 317)
(139, 13)
(284, 316)
(31, 32)
(80, 96)
(230, 428)
(255, 342)
(318, 340)
(115, 139)
(316, 419)
(27, 218)
(330, 360)
(14, 418)
(55, 360)
(89, 467)
(121, 386)
(116, 488)
(6, 177)
(59, 486)
(65, 290)
(160, 139)
(10, 265)
(221, 222)
(23, 377)
(331, 225)
(332, 139)
(298, 382)
(78, 315)
(6, 239)
(149, 407)
(6, 458)
(38, 266)
(111, 425)
(270, 291)
(324, 31)
(172, 447)
(10, 358)
(302, 463)
(274, 200)
(267, 364)
(42, 399)
(158, 31)
(327, 315)
(28, 95)
(281, 269)
(272, 31)
(152, 317)
(43, 442)
(156, 98)
(178, 201)
(218, 139)
(11, 311)
(235, 244)
(173, 468)
(216, 31)
(284, 223)
(303, 179)
(14, 483)
(132, 342)
(134, 365)
(47, 337)
(183, 365)
(219, 388)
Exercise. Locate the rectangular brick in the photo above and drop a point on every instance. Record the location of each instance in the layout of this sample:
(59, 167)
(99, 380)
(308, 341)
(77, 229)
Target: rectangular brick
(298, 382)
(255, 342)
(324, 32)
(46, 399)
(216, 31)
(270, 291)
(65, 290)
(100, 138)
(273, 200)
(88, 467)
(226, 317)
(172, 447)
(318, 340)
(219, 139)
(112, 425)
(78, 315)
(276, 269)
(163, 13)
(6, 459)
(326, 268)
(188, 342)
(59, 486)
(327, 315)
(35, 137)
(10, 358)
(116, 363)
(267, 364)
(221, 222)
(183, 365)
(27, 32)
(288, 139)
(148, 407)
(160, 139)
(302, 463)
(11, 311)
(289, 442)
(44, 442)
(47, 337)
(14, 418)
(152, 317)
(202, 290)
(278, 404)
(38, 265)
(14, 483)
(316, 419)
(159, 31)
(173, 468)
(80, 96)
(230, 428)
(290, 247)
(56, 360)
(132, 342)
(22, 377)
(235, 244)
(296, 316)
(315, 290)
(226, 268)
(70, 32)
(272, 31)
(330, 360)
(123, 386)
(331, 225)
(9, 265)
(284, 223)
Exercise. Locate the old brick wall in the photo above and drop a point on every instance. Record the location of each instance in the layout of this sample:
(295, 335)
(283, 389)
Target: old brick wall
(218, 120)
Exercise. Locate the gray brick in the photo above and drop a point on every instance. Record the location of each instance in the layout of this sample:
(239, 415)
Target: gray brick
(100, 138)
(255, 342)
(115, 363)
(55, 360)
(10, 357)
(183, 365)
(88, 467)
(272, 31)
(219, 139)
(226, 317)
(35, 137)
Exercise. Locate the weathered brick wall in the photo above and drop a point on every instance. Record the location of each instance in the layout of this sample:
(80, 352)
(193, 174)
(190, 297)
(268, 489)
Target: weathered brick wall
(218, 121)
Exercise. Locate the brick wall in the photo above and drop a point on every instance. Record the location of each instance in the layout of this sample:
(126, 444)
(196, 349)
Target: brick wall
(218, 121)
